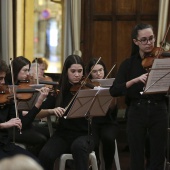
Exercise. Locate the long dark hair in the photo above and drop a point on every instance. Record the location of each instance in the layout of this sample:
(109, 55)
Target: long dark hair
(17, 65)
(91, 63)
(64, 84)
(134, 35)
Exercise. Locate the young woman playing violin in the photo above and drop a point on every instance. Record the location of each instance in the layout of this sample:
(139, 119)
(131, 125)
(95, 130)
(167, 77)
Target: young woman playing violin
(147, 113)
(8, 120)
(71, 135)
(34, 137)
(105, 128)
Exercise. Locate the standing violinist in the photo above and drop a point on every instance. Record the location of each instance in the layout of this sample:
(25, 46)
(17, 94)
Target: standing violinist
(71, 135)
(147, 114)
(33, 137)
(105, 128)
(8, 119)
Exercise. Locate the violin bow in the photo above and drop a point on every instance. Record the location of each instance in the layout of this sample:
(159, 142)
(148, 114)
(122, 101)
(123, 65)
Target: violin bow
(163, 41)
(13, 87)
(15, 98)
(37, 70)
(110, 71)
(82, 84)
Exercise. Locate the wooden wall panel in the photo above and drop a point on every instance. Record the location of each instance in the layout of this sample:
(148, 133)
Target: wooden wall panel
(124, 29)
(102, 7)
(102, 41)
(125, 7)
(149, 7)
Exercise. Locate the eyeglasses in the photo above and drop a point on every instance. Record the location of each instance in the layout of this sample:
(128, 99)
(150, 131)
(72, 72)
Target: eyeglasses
(2, 78)
(96, 71)
(145, 40)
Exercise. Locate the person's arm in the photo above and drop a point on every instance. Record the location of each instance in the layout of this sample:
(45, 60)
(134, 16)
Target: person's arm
(118, 87)
(121, 83)
(30, 116)
(58, 112)
(141, 78)
(11, 123)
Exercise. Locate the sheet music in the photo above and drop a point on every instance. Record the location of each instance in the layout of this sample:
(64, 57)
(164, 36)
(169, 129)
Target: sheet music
(159, 76)
(104, 82)
(101, 103)
(96, 101)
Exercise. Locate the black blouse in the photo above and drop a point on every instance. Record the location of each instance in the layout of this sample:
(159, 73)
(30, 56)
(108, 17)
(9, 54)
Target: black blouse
(130, 69)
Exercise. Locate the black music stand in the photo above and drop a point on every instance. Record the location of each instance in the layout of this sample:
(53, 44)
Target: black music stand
(90, 103)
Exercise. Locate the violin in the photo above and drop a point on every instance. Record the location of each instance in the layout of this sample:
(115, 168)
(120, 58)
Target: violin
(24, 90)
(5, 95)
(48, 82)
(83, 84)
(157, 52)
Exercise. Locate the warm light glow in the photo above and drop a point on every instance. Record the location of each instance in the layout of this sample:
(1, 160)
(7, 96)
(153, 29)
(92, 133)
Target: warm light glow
(53, 67)
(40, 2)
(48, 33)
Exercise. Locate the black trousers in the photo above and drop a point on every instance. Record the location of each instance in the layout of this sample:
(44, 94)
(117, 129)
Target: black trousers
(34, 138)
(105, 133)
(80, 147)
(147, 118)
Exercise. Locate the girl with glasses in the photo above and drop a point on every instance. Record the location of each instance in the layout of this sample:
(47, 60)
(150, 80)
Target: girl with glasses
(147, 114)
(105, 128)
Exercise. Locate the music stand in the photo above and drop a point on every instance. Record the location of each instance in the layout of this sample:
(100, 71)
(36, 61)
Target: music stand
(90, 103)
(158, 80)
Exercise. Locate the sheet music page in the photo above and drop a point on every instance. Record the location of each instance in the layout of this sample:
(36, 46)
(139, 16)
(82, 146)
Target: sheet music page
(82, 103)
(159, 76)
(102, 102)
(104, 82)
(94, 100)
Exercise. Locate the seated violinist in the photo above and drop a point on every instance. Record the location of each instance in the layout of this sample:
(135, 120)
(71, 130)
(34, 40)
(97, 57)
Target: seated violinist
(105, 128)
(32, 136)
(71, 135)
(9, 119)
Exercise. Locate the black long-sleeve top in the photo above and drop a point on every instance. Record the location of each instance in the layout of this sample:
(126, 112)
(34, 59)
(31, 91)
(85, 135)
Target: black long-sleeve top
(74, 126)
(70, 127)
(7, 113)
(130, 69)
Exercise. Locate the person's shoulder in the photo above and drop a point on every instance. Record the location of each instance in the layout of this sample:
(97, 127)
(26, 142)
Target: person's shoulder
(126, 61)
(130, 59)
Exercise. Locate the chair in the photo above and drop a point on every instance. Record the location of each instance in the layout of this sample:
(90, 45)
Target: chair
(64, 157)
(21, 145)
(116, 157)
